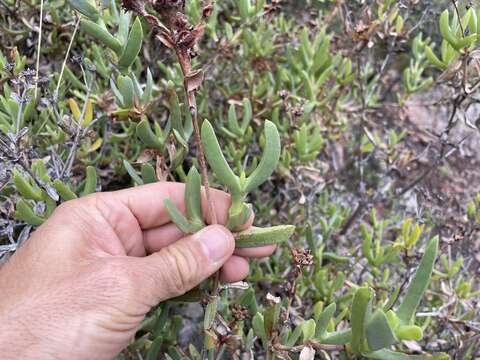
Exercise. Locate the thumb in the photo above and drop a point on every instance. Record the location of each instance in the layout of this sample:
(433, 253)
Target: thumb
(181, 266)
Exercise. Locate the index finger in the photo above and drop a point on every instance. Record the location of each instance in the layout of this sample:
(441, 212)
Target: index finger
(146, 203)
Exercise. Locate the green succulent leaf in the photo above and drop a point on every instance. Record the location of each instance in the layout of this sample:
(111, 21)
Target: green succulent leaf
(244, 7)
(378, 332)
(308, 330)
(324, 320)
(270, 158)
(393, 355)
(257, 237)
(409, 332)
(127, 90)
(217, 161)
(149, 175)
(233, 121)
(25, 213)
(86, 8)
(178, 218)
(147, 92)
(193, 197)
(132, 172)
(210, 313)
(238, 214)
(259, 328)
(101, 34)
(341, 337)
(90, 181)
(25, 187)
(294, 336)
(133, 47)
(449, 34)
(361, 308)
(155, 348)
(148, 137)
(175, 112)
(247, 115)
(272, 317)
(419, 284)
(63, 190)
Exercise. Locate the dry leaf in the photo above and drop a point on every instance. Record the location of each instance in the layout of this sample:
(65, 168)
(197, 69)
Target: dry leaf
(307, 353)
(273, 299)
(165, 40)
(162, 175)
(145, 156)
(194, 80)
(207, 11)
(412, 346)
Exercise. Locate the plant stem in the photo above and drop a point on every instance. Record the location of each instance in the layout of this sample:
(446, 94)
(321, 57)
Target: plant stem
(39, 47)
(76, 142)
(77, 23)
(185, 64)
(20, 113)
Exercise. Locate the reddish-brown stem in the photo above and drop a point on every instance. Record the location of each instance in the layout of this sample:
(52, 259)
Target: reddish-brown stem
(203, 168)
(184, 60)
(182, 49)
(185, 64)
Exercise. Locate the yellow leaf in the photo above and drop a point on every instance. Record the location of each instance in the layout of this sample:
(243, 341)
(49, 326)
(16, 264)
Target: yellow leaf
(74, 109)
(96, 145)
(88, 114)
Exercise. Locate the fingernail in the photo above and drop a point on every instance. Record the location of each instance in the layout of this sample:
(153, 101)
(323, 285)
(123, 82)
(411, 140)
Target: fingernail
(217, 242)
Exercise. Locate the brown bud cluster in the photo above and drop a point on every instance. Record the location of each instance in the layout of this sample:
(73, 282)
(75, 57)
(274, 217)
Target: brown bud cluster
(239, 312)
(302, 257)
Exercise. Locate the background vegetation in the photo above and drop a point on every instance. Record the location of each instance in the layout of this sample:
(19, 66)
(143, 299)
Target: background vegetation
(376, 103)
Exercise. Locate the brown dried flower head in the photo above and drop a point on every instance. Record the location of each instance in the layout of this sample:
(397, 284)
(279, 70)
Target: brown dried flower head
(239, 312)
(302, 257)
(137, 6)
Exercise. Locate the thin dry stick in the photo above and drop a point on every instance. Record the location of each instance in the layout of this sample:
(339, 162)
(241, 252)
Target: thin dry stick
(76, 142)
(39, 47)
(77, 23)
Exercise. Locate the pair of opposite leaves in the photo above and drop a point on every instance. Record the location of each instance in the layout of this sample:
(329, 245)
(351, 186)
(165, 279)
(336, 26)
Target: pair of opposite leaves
(238, 187)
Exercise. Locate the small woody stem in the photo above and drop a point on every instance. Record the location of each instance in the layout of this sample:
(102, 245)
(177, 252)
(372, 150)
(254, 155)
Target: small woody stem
(185, 64)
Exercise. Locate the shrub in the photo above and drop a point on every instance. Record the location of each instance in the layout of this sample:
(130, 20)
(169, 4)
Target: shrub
(300, 124)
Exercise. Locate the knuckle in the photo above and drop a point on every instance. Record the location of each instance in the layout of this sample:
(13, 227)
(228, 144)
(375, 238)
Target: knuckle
(182, 270)
(76, 212)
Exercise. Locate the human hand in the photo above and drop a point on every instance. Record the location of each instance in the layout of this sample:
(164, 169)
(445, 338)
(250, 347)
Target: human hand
(83, 282)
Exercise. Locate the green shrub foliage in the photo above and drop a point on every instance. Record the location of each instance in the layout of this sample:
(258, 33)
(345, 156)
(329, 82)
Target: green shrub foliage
(255, 97)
